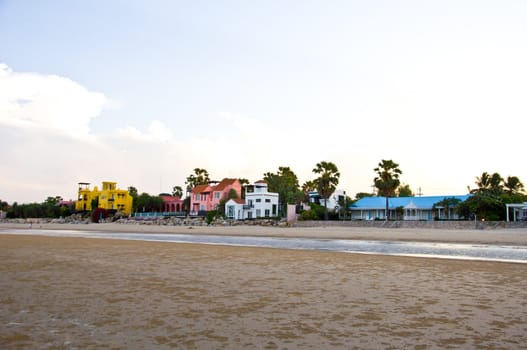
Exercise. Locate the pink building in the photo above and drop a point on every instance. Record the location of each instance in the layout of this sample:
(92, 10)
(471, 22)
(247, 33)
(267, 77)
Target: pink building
(172, 204)
(204, 198)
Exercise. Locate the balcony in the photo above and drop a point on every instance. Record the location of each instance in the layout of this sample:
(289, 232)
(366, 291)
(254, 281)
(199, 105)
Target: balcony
(248, 206)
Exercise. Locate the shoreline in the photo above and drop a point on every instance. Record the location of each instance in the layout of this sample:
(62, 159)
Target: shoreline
(517, 237)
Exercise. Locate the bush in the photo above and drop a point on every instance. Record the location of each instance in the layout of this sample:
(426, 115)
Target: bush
(308, 215)
(211, 215)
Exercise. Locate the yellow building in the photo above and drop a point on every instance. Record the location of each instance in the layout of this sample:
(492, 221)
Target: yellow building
(110, 198)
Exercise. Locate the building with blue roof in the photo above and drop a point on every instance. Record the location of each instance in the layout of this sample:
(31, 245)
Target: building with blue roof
(412, 208)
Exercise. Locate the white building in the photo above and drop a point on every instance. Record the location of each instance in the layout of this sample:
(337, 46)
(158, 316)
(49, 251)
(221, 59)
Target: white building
(258, 203)
(519, 211)
(333, 200)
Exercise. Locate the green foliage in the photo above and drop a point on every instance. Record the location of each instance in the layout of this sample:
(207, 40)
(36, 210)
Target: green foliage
(316, 212)
(327, 181)
(199, 177)
(285, 183)
(148, 203)
(485, 206)
(50, 208)
(232, 194)
(399, 212)
(211, 216)
(177, 191)
(94, 204)
(447, 204)
(361, 195)
(307, 215)
(491, 196)
(134, 194)
(404, 190)
(387, 179)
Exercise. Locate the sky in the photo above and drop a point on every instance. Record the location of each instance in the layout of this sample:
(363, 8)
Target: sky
(143, 92)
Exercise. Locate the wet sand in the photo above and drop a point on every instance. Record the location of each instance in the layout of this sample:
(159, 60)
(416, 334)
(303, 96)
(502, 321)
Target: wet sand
(80, 293)
(494, 236)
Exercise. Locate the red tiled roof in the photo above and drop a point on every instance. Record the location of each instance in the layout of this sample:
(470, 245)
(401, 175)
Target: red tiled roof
(170, 198)
(224, 183)
(201, 189)
(261, 182)
(239, 200)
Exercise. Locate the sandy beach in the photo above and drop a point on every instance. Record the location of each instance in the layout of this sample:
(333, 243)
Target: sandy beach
(80, 293)
(495, 236)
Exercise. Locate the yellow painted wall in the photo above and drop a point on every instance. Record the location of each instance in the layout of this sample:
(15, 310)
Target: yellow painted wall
(110, 198)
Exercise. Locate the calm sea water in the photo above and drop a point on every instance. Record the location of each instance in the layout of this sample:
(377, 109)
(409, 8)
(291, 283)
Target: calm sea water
(484, 252)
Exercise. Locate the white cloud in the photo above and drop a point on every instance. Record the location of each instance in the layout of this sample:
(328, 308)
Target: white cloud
(47, 101)
(157, 132)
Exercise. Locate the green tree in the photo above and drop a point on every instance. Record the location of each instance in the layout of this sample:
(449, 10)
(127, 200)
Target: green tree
(513, 185)
(491, 196)
(148, 203)
(199, 177)
(308, 186)
(177, 191)
(244, 183)
(326, 182)
(489, 183)
(404, 190)
(361, 195)
(133, 193)
(94, 204)
(447, 204)
(285, 183)
(387, 179)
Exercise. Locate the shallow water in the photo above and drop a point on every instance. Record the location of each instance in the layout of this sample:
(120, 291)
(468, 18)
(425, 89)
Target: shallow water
(483, 252)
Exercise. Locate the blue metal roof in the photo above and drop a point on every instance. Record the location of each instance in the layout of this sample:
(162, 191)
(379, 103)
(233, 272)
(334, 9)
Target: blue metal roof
(424, 202)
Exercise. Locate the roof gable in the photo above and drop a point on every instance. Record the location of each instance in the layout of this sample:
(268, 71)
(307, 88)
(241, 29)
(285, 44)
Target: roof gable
(201, 188)
(223, 184)
(237, 200)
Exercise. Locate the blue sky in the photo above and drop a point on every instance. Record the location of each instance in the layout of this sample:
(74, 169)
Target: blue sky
(142, 92)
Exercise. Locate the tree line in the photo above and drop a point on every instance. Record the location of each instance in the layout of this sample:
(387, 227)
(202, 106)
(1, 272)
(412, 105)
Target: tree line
(487, 200)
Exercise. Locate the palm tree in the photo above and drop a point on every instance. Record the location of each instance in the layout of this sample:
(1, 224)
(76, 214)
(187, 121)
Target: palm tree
(483, 182)
(327, 181)
(177, 191)
(307, 187)
(489, 183)
(496, 183)
(513, 185)
(387, 180)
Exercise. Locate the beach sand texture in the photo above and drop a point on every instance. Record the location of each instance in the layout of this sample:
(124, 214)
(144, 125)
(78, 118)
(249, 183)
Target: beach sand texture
(80, 293)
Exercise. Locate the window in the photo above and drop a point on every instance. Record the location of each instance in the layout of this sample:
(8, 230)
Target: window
(217, 195)
(258, 213)
(274, 209)
(258, 200)
(267, 213)
(196, 197)
(230, 211)
(267, 200)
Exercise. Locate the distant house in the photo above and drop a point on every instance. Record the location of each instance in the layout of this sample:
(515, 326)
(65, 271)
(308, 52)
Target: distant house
(109, 197)
(171, 204)
(405, 208)
(258, 203)
(333, 200)
(204, 198)
(519, 211)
